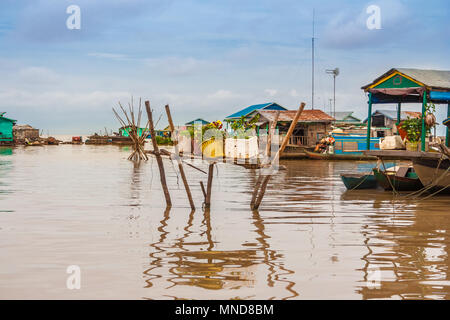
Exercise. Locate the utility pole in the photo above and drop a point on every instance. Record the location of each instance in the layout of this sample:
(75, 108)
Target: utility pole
(335, 73)
(312, 75)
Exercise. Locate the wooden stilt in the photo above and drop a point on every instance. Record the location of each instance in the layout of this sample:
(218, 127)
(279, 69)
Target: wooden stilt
(162, 173)
(203, 189)
(273, 125)
(209, 185)
(262, 191)
(177, 157)
(266, 179)
(271, 132)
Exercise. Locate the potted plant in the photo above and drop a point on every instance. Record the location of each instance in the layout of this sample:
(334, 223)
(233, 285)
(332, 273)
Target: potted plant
(413, 127)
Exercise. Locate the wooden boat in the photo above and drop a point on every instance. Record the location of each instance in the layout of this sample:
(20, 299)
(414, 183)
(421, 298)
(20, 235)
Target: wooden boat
(432, 168)
(433, 172)
(329, 156)
(359, 181)
(403, 179)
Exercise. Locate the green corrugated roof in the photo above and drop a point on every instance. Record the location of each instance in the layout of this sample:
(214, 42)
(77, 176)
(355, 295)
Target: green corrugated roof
(2, 116)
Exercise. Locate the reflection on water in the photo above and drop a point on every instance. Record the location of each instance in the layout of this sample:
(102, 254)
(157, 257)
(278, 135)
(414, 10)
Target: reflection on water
(196, 263)
(88, 205)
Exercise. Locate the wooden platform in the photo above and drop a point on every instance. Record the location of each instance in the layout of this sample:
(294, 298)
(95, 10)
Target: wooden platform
(402, 154)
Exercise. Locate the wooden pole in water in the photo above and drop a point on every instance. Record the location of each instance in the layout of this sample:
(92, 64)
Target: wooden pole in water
(203, 189)
(272, 127)
(162, 174)
(277, 155)
(209, 185)
(177, 156)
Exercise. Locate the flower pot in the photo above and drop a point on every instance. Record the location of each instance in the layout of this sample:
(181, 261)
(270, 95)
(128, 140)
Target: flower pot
(412, 146)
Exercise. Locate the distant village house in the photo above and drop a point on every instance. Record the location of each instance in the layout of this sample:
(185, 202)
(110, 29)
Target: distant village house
(384, 122)
(25, 132)
(312, 125)
(6, 129)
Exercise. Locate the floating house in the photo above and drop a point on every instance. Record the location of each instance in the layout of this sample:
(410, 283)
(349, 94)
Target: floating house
(346, 117)
(384, 122)
(6, 129)
(22, 132)
(125, 131)
(402, 85)
(312, 125)
(198, 120)
(248, 112)
(163, 133)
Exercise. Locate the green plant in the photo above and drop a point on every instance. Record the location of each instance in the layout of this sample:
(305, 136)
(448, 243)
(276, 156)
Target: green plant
(241, 126)
(413, 128)
(163, 140)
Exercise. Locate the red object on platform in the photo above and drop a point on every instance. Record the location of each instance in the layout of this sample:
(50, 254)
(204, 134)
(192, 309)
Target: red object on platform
(401, 132)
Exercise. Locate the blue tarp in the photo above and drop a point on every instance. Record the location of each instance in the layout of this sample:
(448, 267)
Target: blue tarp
(437, 95)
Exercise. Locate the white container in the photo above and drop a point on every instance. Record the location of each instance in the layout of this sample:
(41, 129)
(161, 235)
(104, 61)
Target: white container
(392, 143)
(241, 148)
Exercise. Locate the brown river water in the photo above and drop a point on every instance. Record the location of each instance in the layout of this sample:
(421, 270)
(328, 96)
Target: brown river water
(311, 239)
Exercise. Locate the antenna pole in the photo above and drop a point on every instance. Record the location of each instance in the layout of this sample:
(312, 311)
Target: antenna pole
(312, 75)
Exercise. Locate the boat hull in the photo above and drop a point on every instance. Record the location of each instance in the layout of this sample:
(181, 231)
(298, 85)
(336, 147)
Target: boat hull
(358, 182)
(432, 171)
(399, 183)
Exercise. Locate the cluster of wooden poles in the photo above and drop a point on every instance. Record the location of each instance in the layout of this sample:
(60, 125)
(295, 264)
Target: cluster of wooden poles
(133, 125)
(268, 164)
(158, 154)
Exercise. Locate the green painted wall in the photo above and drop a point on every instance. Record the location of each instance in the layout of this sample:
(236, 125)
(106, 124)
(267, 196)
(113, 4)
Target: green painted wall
(125, 132)
(397, 81)
(6, 129)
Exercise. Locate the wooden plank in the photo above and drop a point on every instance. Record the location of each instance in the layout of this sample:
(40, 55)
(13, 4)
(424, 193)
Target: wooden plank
(402, 154)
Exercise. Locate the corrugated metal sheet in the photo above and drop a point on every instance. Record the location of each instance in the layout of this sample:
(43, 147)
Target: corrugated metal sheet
(431, 78)
(246, 111)
(306, 116)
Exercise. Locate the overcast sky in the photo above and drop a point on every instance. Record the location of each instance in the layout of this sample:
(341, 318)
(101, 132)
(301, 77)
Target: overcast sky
(206, 59)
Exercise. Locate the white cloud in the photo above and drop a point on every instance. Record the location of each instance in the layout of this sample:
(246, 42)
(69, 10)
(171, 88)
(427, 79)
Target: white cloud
(36, 75)
(62, 100)
(113, 56)
(293, 93)
(177, 66)
(271, 92)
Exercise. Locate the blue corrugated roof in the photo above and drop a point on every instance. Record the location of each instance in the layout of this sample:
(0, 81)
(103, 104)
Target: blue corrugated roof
(246, 111)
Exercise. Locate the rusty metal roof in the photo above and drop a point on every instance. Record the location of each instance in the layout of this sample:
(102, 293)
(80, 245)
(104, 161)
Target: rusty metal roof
(306, 116)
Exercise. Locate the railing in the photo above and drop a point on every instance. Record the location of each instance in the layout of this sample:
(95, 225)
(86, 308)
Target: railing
(298, 140)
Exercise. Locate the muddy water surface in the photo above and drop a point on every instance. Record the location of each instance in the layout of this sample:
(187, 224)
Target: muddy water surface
(88, 206)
